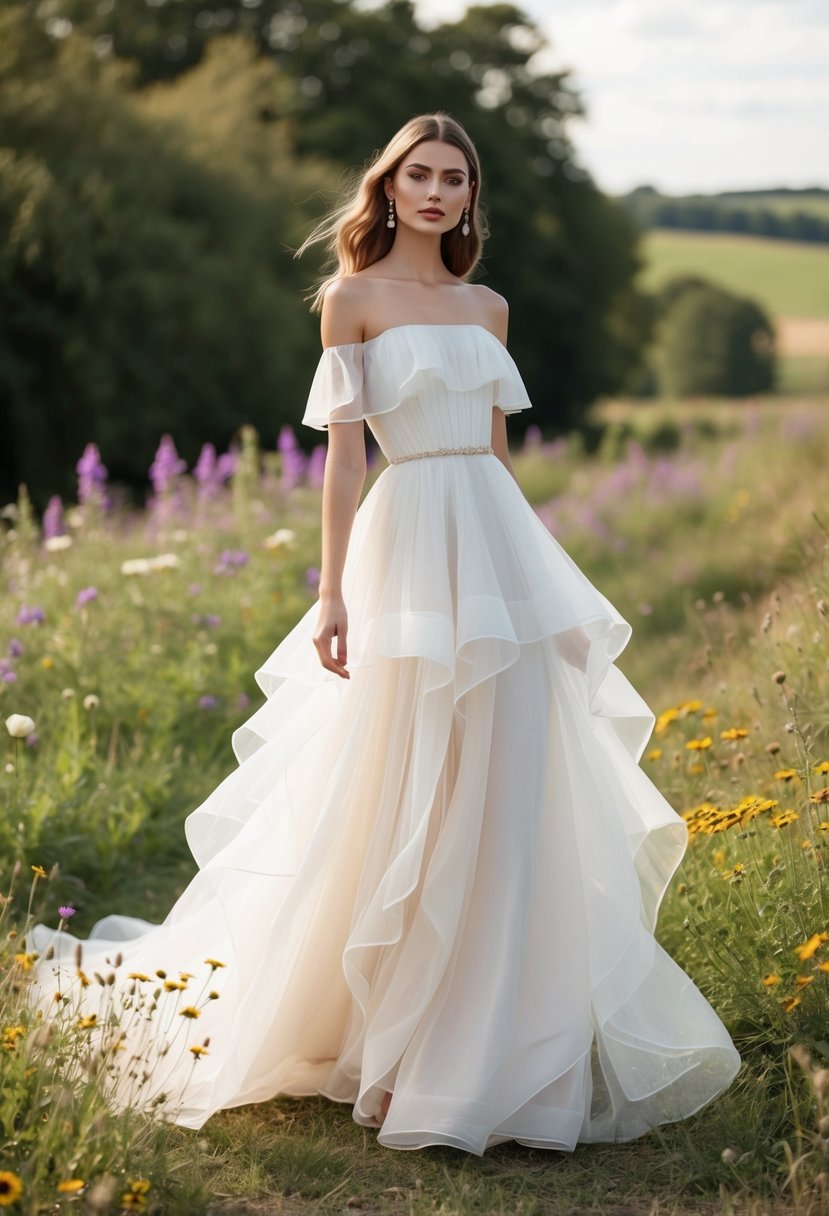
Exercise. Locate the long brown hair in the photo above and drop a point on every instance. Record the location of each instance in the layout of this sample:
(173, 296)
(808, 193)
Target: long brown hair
(355, 232)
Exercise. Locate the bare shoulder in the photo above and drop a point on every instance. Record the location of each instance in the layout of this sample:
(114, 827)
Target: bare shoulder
(495, 308)
(343, 311)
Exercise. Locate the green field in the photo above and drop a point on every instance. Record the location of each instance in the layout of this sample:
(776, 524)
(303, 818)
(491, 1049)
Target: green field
(703, 525)
(789, 278)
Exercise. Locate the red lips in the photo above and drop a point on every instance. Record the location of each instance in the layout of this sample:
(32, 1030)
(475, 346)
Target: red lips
(431, 211)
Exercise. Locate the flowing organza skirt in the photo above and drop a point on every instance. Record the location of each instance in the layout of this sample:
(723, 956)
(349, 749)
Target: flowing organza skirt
(441, 877)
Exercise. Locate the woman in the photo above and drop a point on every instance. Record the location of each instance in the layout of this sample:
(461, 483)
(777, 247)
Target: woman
(433, 879)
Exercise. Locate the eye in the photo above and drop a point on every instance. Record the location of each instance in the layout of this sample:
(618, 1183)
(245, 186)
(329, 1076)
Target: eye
(456, 181)
(415, 176)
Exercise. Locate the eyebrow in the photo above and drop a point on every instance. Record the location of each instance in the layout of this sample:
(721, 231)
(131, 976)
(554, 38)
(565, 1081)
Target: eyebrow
(413, 165)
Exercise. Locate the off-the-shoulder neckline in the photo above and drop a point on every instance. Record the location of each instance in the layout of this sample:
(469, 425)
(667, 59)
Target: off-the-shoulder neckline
(417, 325)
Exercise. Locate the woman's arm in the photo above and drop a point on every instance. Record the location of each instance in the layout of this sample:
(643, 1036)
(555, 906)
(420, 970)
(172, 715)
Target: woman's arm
(343, 481)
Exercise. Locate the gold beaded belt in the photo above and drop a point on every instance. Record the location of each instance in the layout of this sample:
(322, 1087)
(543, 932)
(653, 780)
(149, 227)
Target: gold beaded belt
(469, 451)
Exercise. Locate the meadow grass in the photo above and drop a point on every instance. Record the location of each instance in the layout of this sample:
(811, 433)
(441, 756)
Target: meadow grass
(788, 278)
(702, 523)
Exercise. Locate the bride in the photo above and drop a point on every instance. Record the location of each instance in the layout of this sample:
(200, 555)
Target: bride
(430, 886)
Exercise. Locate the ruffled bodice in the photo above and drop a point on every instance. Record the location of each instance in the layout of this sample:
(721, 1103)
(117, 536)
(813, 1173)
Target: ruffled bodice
(448, 378)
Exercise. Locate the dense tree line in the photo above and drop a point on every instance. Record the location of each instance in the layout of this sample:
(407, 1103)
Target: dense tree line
(159, 163)
(757, 216)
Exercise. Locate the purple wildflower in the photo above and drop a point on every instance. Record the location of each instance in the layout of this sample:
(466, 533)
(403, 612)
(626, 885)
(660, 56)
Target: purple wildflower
(213, 621)
(316, 466)
(532, 437)
(229, 559)
(208, 701)
(15, 648)
(54, 523)
(85, 595)
(312, 576)
(293, 458)
(65, 911)
(9, 677)
(30, 616)
(226, 464)
(167, 465)
(92, 477)
(243, 700)
(33, 739)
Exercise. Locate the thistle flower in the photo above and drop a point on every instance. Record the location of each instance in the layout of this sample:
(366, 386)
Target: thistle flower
(65, 911)
(30, 616)
(85, 595)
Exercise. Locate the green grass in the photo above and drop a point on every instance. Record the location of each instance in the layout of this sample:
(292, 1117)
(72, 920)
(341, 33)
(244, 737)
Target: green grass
(702, 522)
(789, 278)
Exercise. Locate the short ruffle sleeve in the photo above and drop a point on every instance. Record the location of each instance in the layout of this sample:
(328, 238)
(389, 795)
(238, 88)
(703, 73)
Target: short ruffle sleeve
(336, 393)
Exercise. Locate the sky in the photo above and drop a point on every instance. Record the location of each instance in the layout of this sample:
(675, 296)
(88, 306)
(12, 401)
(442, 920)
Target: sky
(689, 96)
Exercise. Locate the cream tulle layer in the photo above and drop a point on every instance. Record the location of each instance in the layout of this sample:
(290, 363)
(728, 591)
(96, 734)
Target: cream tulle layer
(441, 877)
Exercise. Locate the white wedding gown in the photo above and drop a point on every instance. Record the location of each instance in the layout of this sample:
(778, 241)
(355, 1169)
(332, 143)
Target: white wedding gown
(441, 877)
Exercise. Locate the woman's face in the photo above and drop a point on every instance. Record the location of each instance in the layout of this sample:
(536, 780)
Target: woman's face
(431, 187)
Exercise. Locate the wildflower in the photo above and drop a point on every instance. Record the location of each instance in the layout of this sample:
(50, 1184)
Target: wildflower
(91, 701)
(823, 767)
(190, 1011)
(67, 693)
(19, 726)
(283, 538)
(83, 977)
(166, 466)
(803, 980)
(175, 985)
(806, 949)
(92, 477)
(208, 701)
(654, 753)
(57, 543)
(784, 818)
(46, 662)
(689, 707)
(87, 1023)
(789, 1003)
(771, 980)
(54, 524)
(65, 911)
(85, 596)
(199, 1051)
(30, 616)
(733, 732)
(135, 1196)
(699, 744)
(11, 1188)
(709, 714)
(665, 719)
(15, 648)
(820, 795)
(71, 1186)
(230, 559)
(40, 872)
(213, 996)
(213, 963)
(785, 774)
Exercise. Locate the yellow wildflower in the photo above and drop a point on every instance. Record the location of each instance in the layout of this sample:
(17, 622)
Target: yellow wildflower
(806, 949)
(696, 769)
(709, 714)
(784, 818)
(39, 870)
(86, 1023)
(803, 980)
(213, 963)
(734, 732)
(771, 980)
(71, 1186)
(820, 796)
(83, 977)
(11, 1188)
(823, 767)
(785, 774)
(665, 719)
(25, 961)
(47, 661)
(139, 975)
(689, 707)
(719, 856)
(789, 1003)
(699, 745)
(654, 753)
(175, 985)
(199, 1051)
(190, 1011)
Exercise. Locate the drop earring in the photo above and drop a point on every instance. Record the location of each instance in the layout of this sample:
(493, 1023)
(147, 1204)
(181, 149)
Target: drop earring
(390, 222)
(465, 229)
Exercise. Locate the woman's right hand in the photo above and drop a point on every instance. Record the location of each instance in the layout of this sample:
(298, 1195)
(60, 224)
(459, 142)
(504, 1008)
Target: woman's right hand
(332, 622)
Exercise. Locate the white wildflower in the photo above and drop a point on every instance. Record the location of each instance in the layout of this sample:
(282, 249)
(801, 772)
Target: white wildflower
(19, 726)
